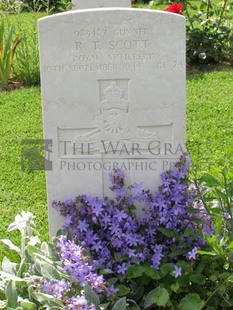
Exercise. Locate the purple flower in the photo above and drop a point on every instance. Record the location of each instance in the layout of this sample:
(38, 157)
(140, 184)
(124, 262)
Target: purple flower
(157, 256)
(114, 228)
(177, 271)
(121, 192)
(106, 219)
(121, 269)
(120, 215)
(97, 208)
(111, 290)
(97, 246)
(82, 225)
(67, 220)
(192, 254)
(117, 242)
(131, 253)
(138, 188)
(132, 240)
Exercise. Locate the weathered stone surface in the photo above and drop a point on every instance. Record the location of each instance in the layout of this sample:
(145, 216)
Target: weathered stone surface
(113, 89)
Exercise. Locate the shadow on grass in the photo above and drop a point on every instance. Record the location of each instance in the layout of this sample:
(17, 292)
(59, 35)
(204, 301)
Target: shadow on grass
(196, 72)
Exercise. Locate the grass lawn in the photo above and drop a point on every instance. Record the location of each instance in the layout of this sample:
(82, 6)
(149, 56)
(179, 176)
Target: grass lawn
(20, 119)
(209, 133)
(209, 117)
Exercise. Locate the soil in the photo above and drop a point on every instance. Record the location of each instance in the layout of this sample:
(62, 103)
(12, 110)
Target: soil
(195, 69)
(11, 86)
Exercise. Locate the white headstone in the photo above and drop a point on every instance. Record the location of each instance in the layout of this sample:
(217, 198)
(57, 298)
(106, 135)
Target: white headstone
(88, 4)
(113, 91)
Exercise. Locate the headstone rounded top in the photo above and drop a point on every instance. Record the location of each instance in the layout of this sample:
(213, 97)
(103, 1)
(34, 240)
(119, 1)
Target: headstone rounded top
(91, 4)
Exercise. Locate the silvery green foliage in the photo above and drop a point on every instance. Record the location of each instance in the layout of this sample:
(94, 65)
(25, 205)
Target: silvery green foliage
(11, 6)
(21, 284)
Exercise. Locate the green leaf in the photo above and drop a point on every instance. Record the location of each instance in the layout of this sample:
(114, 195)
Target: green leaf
(91, 296)
(106, 271)
(218, 224)
(9, 276)
(117, 256)
(198, 278)
(177, 252)
(49, 272)
(191, 301)
(123, 290)
(11, 294)
(120, 304)
(44, 248)
(166, 268)
(132, 207)
(215, 170)
(138, 293)
(167, 232)
(210, 180)
(32, 250)
(3, 304)
(8, 266)
(27, 305)
(214, 278)
(43, 258)
(152, 273)
(104, 306)
(62, 232)
(52, 253)
(202, 55)
(216, 210)
(43, 298)
(158, 296)
(10, 245)
(206, 253)
(188, 232)
(220, 194)
(193, 210)
(132, 305)
(175, 287)
(135, 271)
(230, 279)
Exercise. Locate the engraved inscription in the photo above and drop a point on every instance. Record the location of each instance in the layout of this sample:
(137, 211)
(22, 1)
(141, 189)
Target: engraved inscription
(114, 49)
(126, 32)
(112, 45)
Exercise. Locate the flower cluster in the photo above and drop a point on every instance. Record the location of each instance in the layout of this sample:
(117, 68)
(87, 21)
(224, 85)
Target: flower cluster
(105, 226)
(167, 220)
(114, 235)
(175, 7)
(57, 288)
(78, 303)
(81, 269)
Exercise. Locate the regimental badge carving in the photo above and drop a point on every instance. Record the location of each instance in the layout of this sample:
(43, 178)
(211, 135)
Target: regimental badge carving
(114, 122)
